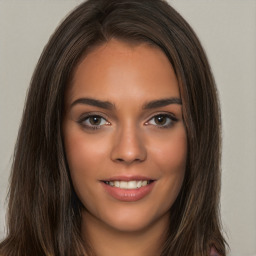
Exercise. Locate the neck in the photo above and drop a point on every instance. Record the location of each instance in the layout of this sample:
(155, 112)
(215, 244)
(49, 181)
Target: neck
(107, 241)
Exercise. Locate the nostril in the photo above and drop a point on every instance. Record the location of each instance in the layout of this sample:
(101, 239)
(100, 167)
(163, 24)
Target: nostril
(128, 161)
(128, 150)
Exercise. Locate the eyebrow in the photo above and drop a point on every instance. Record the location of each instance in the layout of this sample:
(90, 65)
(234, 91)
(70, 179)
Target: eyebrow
(162, 103)
(93, 102)
(110, 106)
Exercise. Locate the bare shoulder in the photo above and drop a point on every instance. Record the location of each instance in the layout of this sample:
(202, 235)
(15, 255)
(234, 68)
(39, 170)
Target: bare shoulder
(214, 252)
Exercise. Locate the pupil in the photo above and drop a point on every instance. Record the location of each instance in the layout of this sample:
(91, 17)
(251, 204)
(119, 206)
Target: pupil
(94, 120)
(160, 120)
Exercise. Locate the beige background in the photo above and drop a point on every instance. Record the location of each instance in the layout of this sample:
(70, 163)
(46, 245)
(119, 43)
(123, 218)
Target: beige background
(227, 29)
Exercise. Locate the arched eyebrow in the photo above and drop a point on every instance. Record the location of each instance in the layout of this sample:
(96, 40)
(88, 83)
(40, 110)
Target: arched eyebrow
(110, 106)
(162, 103)
(93, 102)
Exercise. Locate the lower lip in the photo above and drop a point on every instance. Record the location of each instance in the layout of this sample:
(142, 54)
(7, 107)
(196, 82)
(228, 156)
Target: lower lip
(128, 195)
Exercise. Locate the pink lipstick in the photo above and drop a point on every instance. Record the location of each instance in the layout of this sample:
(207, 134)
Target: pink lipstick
(128, 189)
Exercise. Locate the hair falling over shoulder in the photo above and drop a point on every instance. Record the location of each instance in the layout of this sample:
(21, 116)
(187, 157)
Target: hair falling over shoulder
(44, 211)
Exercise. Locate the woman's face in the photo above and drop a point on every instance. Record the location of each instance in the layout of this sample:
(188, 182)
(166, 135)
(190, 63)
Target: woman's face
(124, 135)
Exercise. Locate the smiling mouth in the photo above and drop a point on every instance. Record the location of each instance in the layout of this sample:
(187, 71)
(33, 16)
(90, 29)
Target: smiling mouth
(133, 184)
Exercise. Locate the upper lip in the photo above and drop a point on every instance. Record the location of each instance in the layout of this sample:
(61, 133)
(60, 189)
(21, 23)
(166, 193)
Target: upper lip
(128, 178)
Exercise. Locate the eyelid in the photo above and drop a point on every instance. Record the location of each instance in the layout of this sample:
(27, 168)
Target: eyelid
(85, 116)
(92, 113)
(171, 116)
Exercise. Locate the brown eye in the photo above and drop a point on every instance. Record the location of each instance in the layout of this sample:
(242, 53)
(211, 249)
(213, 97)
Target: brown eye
(93, 122)
(162, 121)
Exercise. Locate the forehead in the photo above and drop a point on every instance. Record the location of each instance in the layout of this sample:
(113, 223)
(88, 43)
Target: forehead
(119, 70)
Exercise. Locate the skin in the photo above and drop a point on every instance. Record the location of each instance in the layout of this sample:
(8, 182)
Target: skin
(129, 141)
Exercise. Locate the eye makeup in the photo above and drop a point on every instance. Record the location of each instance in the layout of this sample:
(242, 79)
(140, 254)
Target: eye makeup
(96, 121)
(162, 120)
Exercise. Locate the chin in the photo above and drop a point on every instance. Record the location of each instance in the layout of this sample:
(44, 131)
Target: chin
(132, 219)
(129, 225)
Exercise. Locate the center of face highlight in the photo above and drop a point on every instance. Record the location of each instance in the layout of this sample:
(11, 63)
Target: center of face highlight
(124, 136)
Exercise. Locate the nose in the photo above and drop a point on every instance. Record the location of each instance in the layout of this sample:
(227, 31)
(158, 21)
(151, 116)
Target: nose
(128, 146)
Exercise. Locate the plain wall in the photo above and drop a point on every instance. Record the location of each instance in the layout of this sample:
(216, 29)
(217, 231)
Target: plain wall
(227, 30)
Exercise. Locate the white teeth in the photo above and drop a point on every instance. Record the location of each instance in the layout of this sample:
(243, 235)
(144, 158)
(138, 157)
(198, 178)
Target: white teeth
(144, 183)
(133, 184)
(116, 184)
(123, 184)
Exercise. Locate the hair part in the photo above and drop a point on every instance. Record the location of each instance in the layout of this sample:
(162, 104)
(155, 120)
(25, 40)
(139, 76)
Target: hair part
(44, 211)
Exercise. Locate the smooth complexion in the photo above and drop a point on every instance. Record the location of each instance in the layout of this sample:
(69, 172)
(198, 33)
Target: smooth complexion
(123, 121)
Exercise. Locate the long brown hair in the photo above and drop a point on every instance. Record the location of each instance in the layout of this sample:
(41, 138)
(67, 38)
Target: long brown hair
(44, 212)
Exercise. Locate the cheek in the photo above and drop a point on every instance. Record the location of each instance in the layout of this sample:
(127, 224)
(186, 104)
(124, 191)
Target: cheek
(83, 151)
(170, 158)
(171, 153)
(85, 155)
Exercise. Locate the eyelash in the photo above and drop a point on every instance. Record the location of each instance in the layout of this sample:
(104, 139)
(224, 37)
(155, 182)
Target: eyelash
(171, 121)
(83, 119)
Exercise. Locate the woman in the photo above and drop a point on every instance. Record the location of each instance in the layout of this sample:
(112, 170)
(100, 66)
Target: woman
(119, 147)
